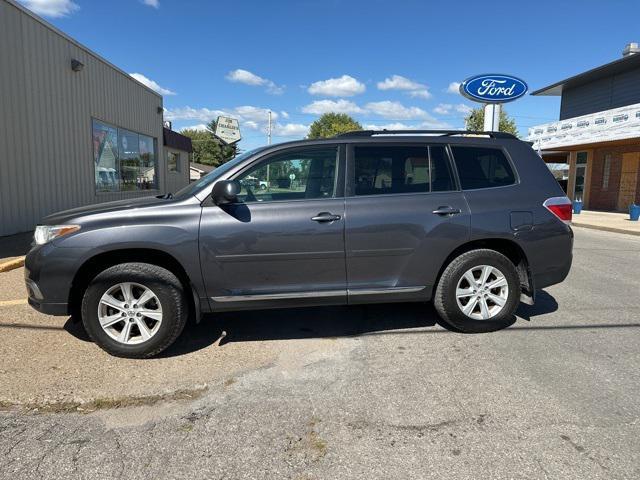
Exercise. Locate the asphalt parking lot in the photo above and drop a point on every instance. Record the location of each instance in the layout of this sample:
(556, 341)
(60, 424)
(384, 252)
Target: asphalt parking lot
(359, 392)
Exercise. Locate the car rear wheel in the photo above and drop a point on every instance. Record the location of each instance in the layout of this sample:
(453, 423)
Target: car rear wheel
(134, 310)
(479, 291)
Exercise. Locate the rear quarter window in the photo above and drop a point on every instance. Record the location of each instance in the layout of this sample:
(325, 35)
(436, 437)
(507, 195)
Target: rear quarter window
(482, 167)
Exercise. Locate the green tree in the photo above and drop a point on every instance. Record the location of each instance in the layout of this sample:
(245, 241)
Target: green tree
(207, 149)
(330, 124)
(475, 121)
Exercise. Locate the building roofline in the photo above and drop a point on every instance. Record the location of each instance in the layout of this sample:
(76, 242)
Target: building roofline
(617, 66)
(59, 32)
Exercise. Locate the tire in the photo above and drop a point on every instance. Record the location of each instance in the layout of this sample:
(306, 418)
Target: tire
(105, 299)
(450, 307)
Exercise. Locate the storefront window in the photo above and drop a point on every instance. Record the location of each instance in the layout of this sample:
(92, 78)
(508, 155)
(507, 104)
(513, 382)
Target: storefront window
(124, 160)
(105, 156)
(173, 162)
(607, 172)
(581, 175)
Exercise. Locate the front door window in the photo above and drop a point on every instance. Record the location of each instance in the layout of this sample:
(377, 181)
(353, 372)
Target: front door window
(302, 174)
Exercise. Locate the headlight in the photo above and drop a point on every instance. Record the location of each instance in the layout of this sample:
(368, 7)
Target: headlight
(46, 233)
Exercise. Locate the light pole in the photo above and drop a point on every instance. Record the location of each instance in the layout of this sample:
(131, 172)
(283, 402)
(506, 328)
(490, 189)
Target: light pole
(268, 143)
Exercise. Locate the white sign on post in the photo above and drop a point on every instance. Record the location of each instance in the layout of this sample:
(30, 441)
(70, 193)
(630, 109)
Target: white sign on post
(227, 130)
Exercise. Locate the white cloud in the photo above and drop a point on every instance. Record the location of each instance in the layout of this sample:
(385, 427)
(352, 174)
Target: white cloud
(454, 87)
(424, 94)
(152, 3)
(410, 87)
(250, 118)
(336, 106)
(151, 84)
(385, 109)
(243, 113)
(398, 82)
(258, 115)
(199, 127)
(448, 109)
(462, 108)
(51, 8)
(189, 113)
(395, 110)
(284, 114)
(344, 86)
(248, 78)
(251, 125)
(432, 123)
(443, 109)
(389, 126)
(290, 130)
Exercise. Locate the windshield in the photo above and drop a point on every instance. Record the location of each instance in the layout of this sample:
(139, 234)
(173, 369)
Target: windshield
(213, 175)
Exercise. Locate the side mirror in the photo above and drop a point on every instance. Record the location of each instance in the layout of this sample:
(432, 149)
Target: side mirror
(225, 192)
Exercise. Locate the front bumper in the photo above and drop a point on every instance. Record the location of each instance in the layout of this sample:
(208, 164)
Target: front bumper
(49, 273)
(61, 309)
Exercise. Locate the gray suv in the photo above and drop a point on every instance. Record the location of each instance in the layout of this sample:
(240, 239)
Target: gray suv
(474, 222)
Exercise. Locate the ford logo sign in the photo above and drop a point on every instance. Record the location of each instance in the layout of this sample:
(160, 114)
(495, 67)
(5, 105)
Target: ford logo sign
(493, 88)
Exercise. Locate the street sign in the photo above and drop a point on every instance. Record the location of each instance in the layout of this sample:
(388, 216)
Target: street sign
(227, 130)
(493, 88)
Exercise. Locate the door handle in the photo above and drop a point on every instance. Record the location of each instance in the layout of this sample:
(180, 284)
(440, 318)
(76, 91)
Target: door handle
(326, 217)
(446, 210)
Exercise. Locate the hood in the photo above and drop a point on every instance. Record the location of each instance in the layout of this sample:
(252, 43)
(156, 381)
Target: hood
(67, 216)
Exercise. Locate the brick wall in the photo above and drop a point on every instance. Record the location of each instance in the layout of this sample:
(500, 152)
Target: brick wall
(600, 199)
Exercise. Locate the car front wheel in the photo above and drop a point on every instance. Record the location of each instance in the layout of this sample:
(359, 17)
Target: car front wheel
(479, 291)
(134, 310)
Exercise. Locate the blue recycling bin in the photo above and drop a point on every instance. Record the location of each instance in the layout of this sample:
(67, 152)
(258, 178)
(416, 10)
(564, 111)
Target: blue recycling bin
(634, 212)
(577, 206)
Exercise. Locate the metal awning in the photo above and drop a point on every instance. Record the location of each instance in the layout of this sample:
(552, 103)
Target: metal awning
(624, 64)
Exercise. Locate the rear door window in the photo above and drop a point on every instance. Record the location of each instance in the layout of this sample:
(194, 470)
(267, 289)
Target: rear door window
(480, 167)
(380, 170)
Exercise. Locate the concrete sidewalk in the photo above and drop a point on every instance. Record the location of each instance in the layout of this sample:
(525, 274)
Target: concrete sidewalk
(608, 221)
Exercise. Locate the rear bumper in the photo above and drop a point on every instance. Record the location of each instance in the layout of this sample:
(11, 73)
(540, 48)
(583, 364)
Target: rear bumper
(554, 275)
(558, 257)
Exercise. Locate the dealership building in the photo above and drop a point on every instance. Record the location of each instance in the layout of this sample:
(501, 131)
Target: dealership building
(74, 129)
(596, 141)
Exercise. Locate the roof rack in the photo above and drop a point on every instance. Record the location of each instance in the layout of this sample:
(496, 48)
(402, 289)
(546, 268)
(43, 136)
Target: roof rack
(442, 133)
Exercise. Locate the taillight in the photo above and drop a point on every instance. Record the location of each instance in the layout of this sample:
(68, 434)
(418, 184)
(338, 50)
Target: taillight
(560, 207)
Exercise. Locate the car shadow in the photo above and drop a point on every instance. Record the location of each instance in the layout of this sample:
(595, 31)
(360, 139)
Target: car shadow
(545, 303)
(301, 323)
(314, 322)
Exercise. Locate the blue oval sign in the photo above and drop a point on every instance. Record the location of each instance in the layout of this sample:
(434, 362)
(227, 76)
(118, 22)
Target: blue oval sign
(493, 88)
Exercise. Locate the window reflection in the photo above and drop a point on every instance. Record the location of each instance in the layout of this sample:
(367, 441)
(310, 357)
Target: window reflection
(124, 160)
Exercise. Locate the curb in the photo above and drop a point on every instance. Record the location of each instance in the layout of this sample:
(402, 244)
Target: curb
(11, 264)
(605, 229)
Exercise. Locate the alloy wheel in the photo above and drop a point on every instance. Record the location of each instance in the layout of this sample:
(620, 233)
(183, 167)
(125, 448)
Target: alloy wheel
(482, 292)
(130, 313)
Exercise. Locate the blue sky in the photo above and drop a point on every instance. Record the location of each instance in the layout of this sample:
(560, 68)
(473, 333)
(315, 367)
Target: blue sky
(388, 64)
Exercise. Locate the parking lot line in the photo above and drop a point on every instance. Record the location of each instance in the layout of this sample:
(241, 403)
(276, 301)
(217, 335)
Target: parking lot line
(9, 303)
